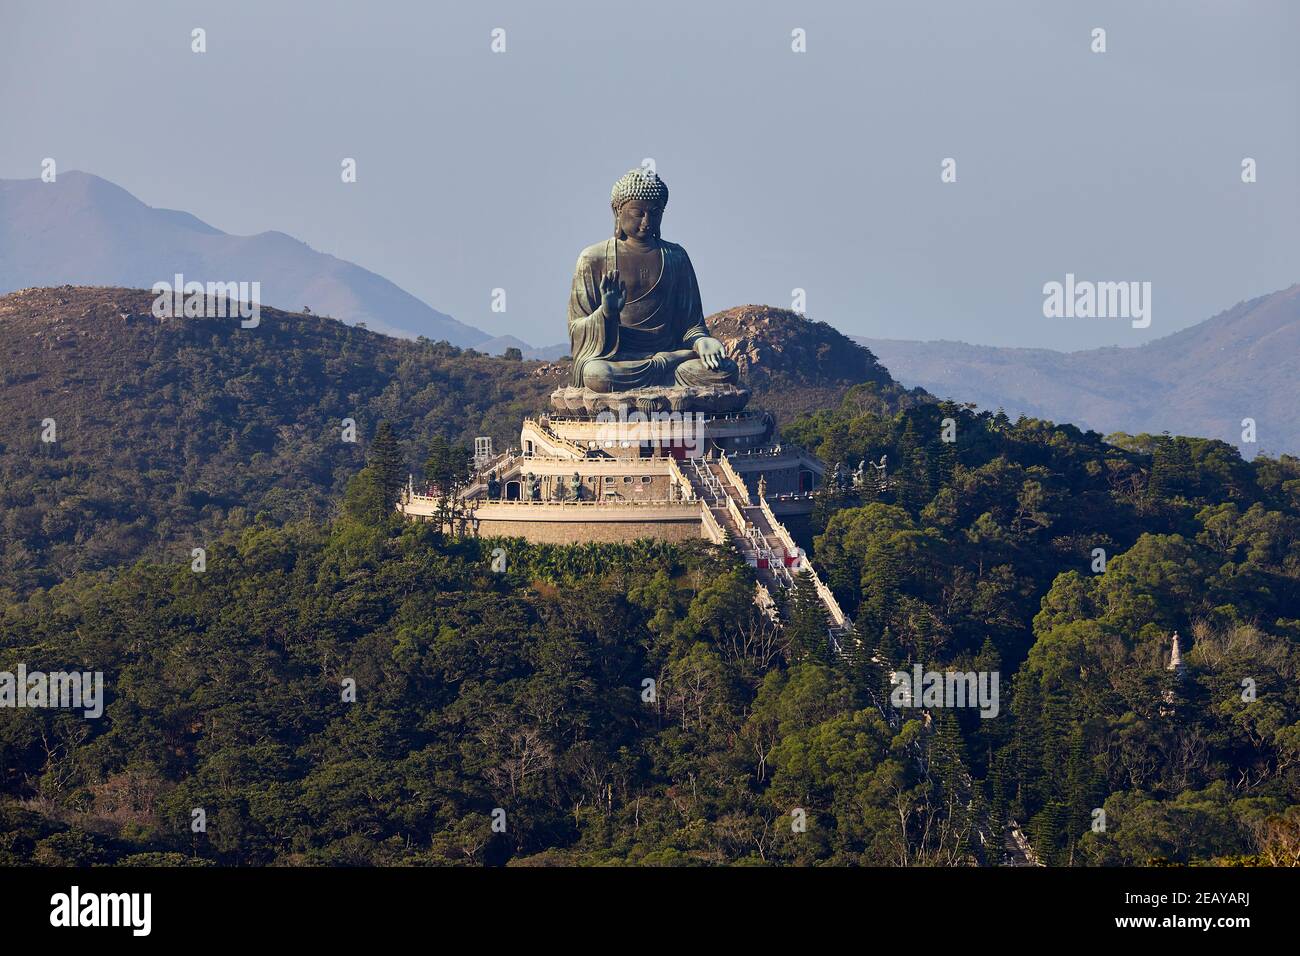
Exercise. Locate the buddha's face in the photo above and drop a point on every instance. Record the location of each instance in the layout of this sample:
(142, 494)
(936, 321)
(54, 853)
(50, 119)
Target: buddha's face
(639, 220)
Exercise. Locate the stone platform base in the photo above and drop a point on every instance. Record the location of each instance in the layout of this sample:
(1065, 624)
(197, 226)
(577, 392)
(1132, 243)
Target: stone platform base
(718, 400)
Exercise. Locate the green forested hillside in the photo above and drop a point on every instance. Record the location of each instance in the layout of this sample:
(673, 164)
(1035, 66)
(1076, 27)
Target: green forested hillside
(526, 692)
(165, 431)
(169, 431)
(991, 547)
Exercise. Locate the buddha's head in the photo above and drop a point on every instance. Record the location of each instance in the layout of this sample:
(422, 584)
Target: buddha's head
(638, 200)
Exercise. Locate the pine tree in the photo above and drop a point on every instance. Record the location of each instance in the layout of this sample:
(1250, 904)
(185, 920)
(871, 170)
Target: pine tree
(951, 748)
(807, 627)
(1055, 738)
(363, 498)
(447, 465)
(950, 766)
(882, 577)
(386, 459)
(912, 479)
(887, 662)
(435, 463)
(996, 785)
(907, 443)
(922, 485)
(989, 659)
(887, 651)
(1079, 786)
(867, 637)
(867, 491)
(1172, 471)
(859, 656)
(1048, 833)
(1026, 746)
(1181, 471)
(844, 578)
(992, 734)
(947, 463)
(1158, 482)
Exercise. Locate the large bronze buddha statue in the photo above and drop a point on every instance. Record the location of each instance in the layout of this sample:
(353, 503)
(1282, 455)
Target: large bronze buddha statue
(635, 317)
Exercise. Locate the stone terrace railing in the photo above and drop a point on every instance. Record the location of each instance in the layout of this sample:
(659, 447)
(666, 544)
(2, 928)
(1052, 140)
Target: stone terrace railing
(838, 618)
(683, 482)
(787, 451)
(554, 439)
(782, 534)
(737, 482)
(608, 463)
(737, 515)
(724, 417)
(712, 530)
(603, 503)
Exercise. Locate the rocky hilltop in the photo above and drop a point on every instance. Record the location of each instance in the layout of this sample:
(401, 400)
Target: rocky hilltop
(792, 363)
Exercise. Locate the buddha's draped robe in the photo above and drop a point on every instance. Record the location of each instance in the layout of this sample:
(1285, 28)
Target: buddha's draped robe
(651, 341)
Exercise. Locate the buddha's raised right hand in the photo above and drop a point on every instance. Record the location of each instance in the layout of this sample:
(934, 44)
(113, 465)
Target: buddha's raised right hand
(613, 293)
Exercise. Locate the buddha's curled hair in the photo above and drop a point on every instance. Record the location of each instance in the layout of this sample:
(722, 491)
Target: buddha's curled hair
(641, 183)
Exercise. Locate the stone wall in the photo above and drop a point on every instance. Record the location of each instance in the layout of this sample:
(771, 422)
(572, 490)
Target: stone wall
(633, 487)
(581, 532)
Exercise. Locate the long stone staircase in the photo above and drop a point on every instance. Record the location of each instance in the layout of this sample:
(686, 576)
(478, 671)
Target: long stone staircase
(764, 542)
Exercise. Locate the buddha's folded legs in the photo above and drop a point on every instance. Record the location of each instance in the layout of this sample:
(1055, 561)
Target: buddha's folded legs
(694, 373)
(601, 375)
(664, 369)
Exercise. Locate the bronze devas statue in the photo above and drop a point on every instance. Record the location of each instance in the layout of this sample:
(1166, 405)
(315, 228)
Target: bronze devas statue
(635, 316)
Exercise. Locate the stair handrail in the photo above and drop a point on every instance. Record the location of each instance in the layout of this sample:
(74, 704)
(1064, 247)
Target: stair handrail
(555, 439)
(713, 530)
(737, 482)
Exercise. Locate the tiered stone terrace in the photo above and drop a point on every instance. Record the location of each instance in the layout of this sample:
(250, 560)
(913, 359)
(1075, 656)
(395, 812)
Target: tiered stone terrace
(664, 475)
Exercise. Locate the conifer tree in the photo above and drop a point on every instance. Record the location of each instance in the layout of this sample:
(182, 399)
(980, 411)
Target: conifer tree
(951, 750)
(996, 786)
(989, 658)
(1026, 747)
(1055, 737)
(1172, 472)
(861, 661)
(1181, 472)
(907, 443)
(1047, 833)
(882, 576)
(807, 627)
(946, 462)
(385, 458)
(993, 734)
(921, 488)
(1079, 786)
(888, 661)
(949, 765)
(865, 640)
(448, 467)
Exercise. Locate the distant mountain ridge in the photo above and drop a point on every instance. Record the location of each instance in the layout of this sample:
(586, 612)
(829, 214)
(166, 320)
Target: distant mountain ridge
(85, 230)
(1203, 380)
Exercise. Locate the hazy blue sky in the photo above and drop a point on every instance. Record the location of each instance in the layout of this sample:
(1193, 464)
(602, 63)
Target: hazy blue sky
(817, 170)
